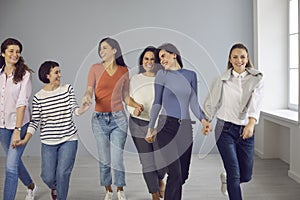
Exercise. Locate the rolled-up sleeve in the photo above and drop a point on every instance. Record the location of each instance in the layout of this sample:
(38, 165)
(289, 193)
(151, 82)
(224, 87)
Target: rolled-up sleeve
(25, 91)
(256, 101)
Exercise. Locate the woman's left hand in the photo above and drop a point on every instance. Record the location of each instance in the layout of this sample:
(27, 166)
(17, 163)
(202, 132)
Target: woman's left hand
(15, 138)
(151, 135)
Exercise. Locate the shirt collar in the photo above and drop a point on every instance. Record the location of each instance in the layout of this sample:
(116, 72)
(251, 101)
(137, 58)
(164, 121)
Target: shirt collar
(237, 75)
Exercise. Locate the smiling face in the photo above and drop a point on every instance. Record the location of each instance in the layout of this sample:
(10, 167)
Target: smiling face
(167, 60)
(11, 54)
(107, 53)
(54, 76)
(239, 59)
(148, 61)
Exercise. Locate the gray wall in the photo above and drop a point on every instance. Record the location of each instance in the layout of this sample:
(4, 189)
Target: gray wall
(69, 31)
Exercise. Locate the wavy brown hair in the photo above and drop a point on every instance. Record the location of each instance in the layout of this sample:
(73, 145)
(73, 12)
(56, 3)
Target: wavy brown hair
(21, 67)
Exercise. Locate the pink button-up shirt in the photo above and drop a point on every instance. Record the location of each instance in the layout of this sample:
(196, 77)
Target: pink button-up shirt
(13, 96)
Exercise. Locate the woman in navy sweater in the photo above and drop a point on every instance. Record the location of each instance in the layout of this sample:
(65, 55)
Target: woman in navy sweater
(175, 93)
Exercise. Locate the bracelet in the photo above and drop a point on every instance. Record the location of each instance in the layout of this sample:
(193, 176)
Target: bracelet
(18, 128)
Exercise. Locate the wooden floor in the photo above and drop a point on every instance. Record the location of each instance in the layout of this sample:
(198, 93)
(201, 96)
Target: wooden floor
(270, 180)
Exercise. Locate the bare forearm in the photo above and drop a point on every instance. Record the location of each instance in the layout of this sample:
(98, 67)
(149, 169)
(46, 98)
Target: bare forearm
(130, 102)
(252, 121)
(88, 93)
(20, 116)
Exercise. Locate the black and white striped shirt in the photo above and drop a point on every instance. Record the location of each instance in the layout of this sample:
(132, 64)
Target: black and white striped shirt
(53, 111)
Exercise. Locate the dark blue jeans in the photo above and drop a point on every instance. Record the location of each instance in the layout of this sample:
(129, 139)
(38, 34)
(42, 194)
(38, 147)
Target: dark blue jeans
(14, 165)
(237, 155)
(175, 141)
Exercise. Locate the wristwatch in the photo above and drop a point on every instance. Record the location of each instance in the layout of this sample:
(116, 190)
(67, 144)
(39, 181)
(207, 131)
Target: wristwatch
(18, 128)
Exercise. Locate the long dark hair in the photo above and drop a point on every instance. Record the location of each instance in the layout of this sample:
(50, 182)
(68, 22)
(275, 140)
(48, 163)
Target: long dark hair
(157, 65)
(239, 46)
(171, 49)
(115, 45)
(21, 67)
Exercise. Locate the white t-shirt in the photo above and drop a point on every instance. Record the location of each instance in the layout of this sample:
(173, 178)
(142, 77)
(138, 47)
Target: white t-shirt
(142, 91)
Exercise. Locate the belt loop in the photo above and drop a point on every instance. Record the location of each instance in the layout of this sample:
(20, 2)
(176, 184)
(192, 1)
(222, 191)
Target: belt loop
(241, 129)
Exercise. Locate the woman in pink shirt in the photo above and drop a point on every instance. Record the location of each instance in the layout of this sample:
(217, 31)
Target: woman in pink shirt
(15, 91)
(109, 81)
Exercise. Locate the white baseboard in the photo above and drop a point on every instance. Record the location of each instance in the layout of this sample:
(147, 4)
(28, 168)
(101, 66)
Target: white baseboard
(294, 176)
(259, 153)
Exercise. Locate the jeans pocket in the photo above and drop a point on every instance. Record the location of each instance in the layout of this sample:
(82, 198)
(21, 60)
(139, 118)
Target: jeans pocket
(221, 127)
(121, 120)
(95, 115)
(119, 115)
(249, 142)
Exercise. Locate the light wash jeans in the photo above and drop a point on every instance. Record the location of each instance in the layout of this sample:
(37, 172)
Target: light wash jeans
(14, 165)
(57, 164)
(110, 131)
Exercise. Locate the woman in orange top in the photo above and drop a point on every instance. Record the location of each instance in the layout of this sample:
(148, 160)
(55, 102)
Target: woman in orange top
(109, 81)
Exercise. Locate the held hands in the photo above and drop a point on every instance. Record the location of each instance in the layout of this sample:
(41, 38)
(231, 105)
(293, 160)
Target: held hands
(16, 138)
(151, 135)
(87, 100)
(84, 106)
(206, 127)
(17, 141)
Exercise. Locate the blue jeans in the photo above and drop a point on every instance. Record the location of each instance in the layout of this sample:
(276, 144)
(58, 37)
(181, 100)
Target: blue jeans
(57, 164)
(110, 131)
(237, 155)
(14, 165)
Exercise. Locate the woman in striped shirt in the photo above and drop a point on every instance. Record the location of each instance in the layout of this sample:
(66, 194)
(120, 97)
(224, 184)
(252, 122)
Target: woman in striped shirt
(52, 109)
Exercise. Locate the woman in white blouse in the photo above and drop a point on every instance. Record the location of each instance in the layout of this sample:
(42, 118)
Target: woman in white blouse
(236, 99)
(142, 91)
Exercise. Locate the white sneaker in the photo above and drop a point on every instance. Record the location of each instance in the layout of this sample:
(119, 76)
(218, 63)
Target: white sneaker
(31, 193)
(108, 195)
(121, 195)
(223, 177)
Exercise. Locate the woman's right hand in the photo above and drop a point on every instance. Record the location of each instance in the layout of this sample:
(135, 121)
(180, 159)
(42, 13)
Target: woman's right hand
(151, 135)
(87, 100)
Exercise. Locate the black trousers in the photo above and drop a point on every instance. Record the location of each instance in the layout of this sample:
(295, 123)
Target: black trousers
(152, 164)
(175, 141)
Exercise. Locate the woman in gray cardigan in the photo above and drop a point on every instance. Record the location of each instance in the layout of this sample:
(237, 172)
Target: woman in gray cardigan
(235, 99)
